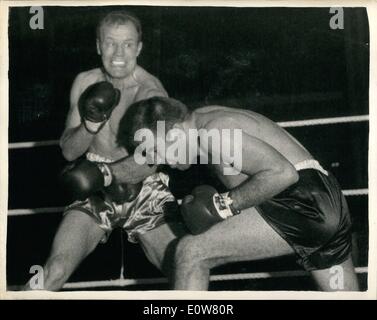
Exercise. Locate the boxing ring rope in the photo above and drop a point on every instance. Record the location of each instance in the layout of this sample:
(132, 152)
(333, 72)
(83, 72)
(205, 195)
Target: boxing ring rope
(218, 277)
(323, 121)
(23, 212)
(121, 282)
(285, 124)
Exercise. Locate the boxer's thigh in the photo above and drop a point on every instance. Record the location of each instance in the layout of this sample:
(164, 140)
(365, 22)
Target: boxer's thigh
(77, 235)
(159, 244)
(246, 236)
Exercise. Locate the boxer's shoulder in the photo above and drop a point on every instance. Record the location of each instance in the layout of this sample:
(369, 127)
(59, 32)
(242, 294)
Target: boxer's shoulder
(216, 120)
(143, 77)
(146, 81)
(83, 80)
(212, 108)
(220, 117)
(87, 78)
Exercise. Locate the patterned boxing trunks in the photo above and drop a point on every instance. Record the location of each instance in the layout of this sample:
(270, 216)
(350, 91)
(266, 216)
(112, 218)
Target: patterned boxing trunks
(146, 212)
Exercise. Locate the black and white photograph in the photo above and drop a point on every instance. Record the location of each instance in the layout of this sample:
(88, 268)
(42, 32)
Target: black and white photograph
(188, 148)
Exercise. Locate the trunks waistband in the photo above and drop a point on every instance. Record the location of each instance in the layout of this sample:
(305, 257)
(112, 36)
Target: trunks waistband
(310, 164)
(97, 158)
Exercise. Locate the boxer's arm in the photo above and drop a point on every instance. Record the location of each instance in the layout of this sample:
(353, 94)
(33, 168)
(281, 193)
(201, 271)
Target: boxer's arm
(75, 139)
(269, 174)
(268, 170)
(127, 170)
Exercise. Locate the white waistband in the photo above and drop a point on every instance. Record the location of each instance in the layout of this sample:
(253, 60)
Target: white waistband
(310, 164)
(97, 158)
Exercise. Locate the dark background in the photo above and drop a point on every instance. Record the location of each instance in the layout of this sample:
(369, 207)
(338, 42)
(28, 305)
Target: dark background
(286, 63)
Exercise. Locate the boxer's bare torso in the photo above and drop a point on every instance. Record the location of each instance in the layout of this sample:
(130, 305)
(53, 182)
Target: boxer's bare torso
(139, 85)
(254, 125)
(308, 219)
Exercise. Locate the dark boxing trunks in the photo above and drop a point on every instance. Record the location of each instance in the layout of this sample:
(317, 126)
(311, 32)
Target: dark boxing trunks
(313, 217)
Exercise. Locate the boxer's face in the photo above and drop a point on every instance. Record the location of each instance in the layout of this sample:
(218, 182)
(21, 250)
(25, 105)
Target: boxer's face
(181, 161)
(172, 150)
(119, 47)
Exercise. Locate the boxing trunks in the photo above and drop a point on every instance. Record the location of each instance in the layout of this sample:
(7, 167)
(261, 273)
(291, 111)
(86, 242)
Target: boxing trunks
(147, 211)
(313, 217)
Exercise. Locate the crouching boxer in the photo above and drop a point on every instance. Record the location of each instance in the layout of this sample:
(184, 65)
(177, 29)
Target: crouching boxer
(138, 198)
(277, 201)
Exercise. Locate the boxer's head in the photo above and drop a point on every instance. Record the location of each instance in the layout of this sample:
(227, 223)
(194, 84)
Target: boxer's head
(147, 114)
(119, 43)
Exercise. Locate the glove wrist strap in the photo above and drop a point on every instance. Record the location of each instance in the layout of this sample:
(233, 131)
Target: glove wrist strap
(91, 131)
(223, 204)
(107, 174)
(229, 202)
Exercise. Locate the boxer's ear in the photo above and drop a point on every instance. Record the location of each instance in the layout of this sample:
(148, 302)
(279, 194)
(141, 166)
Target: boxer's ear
(98, 47)
(139, 48)
(178, 125)
(176, 132)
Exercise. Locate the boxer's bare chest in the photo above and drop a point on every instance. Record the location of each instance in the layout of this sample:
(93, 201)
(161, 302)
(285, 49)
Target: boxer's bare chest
(127, 98)
(105, 142)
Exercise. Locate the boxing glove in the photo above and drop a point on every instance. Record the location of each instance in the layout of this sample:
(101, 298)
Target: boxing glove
(206, 207)
(83, 178)
(96, 104)
(123, 192)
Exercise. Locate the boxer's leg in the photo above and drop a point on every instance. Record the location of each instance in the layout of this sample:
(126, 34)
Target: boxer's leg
(77, 236)
(341, 277)
(158, 242)
(159, 245)
(243, 237)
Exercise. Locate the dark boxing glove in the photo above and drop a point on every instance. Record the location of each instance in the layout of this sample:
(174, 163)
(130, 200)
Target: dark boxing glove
(96, 104)
(206, 207)
(123, 192)
(83, 178)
